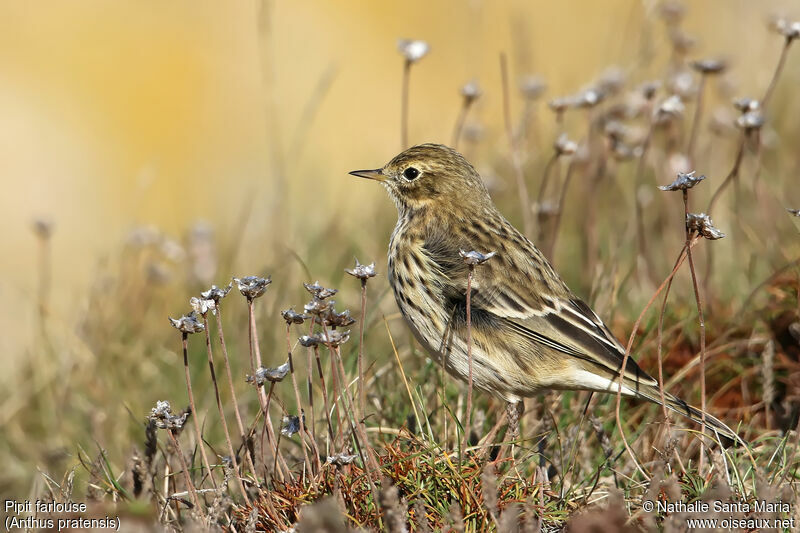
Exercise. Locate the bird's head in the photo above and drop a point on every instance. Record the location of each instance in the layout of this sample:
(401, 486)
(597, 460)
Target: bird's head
(429, 175)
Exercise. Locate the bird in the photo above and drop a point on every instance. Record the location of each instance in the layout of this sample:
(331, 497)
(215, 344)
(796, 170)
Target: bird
(529, 332)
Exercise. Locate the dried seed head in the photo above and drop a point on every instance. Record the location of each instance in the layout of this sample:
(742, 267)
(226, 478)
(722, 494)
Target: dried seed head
(202, 306)
(709, 66)
(318, 307)
(681, 41)
(319, 291)
(308, 341)
(412, 49)
(683, 182)
(163, 418)
(746, 104)
(589, 97)
(473, 258)
(615, 130)
(187, 323)
(334, 338)
(43, 228)
(793, 212)
(216, 293)
(471, 91)
(291, 424)
(142, 236)
(341, 459)
(292, 317)
(545, 209)
(625, 152)
(649, 89)
(561, 104)
(671, 107)
(787, 28)
(611, 81)
(362, 272)
(672, 12)
(252, 287)
(338, 320)
(532, 87)
(564, 146)
(752, 120)
(274, 375)
(683, 84)
(703, 226)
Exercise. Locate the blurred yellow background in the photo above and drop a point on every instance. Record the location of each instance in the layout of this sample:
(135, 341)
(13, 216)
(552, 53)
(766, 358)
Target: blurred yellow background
(122, 113)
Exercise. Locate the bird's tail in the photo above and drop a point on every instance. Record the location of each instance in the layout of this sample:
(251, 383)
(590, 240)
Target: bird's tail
(715, 425)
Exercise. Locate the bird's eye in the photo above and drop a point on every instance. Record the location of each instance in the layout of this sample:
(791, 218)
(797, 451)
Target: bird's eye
(410, 173)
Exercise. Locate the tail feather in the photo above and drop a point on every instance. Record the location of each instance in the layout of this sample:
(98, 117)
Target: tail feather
(712, 423)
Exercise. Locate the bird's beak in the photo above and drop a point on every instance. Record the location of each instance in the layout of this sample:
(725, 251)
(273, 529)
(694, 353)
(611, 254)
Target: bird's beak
(376, 174)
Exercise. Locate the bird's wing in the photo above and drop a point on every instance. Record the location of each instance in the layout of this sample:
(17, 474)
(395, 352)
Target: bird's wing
(529, 299)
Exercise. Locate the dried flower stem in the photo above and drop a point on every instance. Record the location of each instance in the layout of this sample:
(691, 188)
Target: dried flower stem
(362, 395)
(678, 263)
(255, 358)
(698, 112)
(306, 460)
(778, 69)
(336, 390)
(641, 239)
(186, 477)
(195, 417)
(370, 462)
(550, 247)
(702, 323)
(468, 416)
(309, 381)
(462, 117)
(732, 175)
(525, 202)
(229, 374)
(404, 105)
(546, 177)
(222, 414)
(331, 433)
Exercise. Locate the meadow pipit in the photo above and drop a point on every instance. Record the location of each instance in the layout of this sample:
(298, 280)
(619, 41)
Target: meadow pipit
(528, 330)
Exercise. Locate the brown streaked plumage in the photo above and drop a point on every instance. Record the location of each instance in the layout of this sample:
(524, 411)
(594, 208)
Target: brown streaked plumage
(529, 331)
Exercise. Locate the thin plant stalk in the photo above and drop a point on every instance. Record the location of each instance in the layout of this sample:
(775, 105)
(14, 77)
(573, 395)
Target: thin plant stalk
(362, 394)
(678, 263)
(462, 117)
(185, 467)
(194, 416)
(702, 323)
(550, 246)
(331, 434)
(468, 416)
(255, 358)
(548, 167)
(778, 69)
(404, 105)
(336, 390)
(732, 175)
(525, 203)
(309, 381)
(306, 461)
(357, 430)
(359, 435)
(641, 240)
(228, 441)
(698, 113)
(229, 374)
